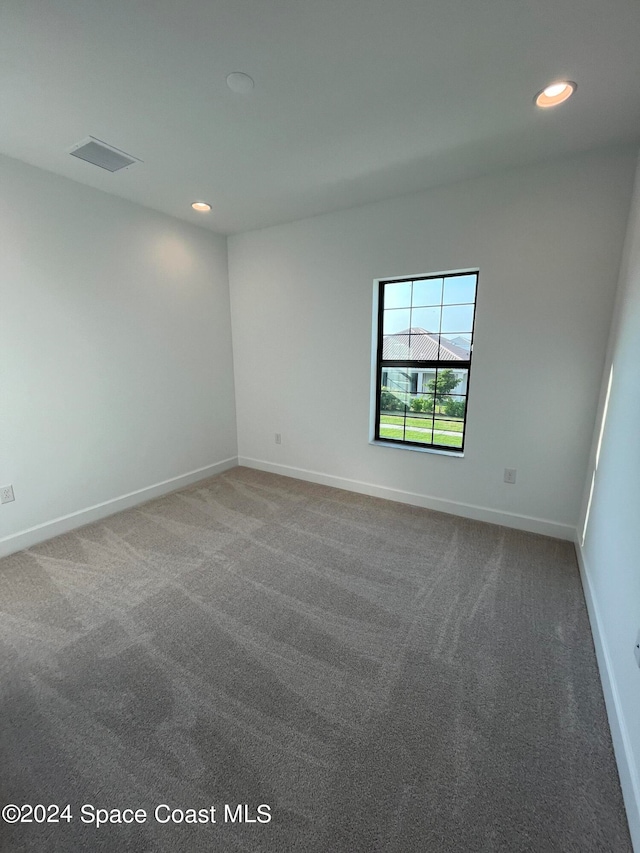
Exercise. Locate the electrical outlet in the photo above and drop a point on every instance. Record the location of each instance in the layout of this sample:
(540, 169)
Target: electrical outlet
(510, 475)
(636, 649)
(6, 494)
(278, 438)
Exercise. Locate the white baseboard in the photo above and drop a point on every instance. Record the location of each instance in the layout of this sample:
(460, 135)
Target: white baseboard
(478, 513)
(629, 781)
(49, 529)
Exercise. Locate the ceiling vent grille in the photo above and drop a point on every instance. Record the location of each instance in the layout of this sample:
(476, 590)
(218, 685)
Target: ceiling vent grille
(100, 154)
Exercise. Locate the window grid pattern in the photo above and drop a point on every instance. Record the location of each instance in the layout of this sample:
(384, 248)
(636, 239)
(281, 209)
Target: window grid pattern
(425, 342)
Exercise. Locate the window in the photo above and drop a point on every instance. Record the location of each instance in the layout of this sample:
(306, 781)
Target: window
(424, 346)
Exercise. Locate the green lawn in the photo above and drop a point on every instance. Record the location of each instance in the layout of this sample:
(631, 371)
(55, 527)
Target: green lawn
(440, 423)
(422, 436)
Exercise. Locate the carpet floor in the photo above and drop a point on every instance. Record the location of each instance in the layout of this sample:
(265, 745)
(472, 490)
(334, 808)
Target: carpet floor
(355, 675)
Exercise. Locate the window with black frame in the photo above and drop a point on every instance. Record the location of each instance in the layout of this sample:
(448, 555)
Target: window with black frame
(425, 342)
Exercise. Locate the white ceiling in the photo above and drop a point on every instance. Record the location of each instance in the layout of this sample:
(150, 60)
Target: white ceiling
(355, 100)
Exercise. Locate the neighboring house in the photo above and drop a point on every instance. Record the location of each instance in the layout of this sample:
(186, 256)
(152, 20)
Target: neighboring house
(419, 344)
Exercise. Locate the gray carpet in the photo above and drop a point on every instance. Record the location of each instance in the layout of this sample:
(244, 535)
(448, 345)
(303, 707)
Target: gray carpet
(384, 678)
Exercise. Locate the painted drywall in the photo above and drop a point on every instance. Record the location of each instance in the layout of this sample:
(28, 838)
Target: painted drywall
(116, 367)
(547, 241)
(610, 552)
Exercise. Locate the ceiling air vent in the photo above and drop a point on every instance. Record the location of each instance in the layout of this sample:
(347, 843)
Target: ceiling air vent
(103, 155)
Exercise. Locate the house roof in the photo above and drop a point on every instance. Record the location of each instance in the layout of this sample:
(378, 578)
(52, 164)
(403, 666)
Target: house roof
(418, 344)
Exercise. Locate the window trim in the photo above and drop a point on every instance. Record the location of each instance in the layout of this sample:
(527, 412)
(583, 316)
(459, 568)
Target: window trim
(377, 367)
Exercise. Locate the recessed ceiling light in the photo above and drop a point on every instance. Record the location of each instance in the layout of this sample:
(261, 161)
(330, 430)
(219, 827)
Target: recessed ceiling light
(201, 206)
(555, 94)
(239, 82)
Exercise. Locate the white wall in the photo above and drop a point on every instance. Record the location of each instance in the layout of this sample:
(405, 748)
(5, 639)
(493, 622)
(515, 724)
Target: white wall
(116, 366)
(547, 241)
(610, 555)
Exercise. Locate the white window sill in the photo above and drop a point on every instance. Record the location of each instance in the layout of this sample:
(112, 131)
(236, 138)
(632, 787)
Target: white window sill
(435, 450)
